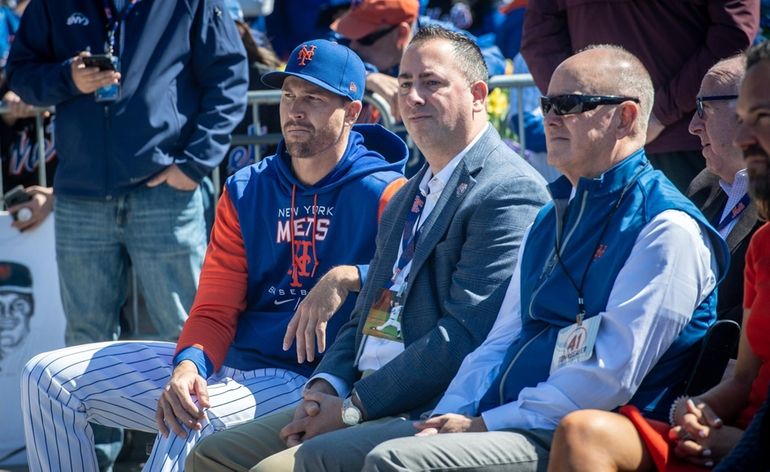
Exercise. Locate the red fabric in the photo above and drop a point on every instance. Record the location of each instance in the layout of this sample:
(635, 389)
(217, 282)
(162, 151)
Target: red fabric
(222, 288)
(757, 298)
(654, 435)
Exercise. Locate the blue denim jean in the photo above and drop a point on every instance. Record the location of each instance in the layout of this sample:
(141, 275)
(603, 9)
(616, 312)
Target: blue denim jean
(161, 231)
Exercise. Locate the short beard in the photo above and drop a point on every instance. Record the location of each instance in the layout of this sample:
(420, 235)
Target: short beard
(300, 150)
(759, 189)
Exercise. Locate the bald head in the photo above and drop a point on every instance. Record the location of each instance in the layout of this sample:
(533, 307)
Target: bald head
(611, 70)
(727, 73)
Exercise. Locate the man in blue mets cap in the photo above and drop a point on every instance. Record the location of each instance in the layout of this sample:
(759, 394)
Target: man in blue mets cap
(333, 67)
(292, 237)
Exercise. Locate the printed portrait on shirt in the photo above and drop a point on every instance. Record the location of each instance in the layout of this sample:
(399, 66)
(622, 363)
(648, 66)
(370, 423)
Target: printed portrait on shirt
(16, 305)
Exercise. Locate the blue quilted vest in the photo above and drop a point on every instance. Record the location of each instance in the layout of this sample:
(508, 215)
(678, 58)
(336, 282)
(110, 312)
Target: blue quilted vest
(549, 301)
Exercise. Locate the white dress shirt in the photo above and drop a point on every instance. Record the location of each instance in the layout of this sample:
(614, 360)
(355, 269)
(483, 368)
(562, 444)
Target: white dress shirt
(669, 272)
(734, 192)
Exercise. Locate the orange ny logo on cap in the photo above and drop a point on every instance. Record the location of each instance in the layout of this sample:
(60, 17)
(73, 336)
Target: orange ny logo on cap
(305, 54)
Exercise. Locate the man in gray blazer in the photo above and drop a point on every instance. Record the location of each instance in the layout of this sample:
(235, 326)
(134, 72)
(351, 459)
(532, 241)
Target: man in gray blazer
(721, 190)
(446, 248)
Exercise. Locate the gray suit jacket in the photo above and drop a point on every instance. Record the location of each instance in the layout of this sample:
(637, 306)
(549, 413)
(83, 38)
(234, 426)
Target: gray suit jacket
(461, 268)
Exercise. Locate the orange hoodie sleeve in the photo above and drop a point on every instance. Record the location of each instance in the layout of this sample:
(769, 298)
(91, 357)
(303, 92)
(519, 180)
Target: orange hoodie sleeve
(221, 295)
(388, 193)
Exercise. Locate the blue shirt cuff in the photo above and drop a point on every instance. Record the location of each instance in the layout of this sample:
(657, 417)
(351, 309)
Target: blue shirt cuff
(197, 357)
(342, 388)
(363, 270)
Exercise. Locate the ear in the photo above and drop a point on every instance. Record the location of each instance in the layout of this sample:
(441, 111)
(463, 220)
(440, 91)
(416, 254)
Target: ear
(629, 115)
(403, 35)
(352, 110)
(480, 91)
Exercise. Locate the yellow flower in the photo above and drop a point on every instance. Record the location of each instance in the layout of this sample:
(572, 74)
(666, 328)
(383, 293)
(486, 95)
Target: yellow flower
(497, 104)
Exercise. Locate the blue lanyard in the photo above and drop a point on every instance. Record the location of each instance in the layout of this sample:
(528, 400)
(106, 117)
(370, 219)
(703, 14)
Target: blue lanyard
(410, 235)
(579, 288)
(736, 212)
(114, 20)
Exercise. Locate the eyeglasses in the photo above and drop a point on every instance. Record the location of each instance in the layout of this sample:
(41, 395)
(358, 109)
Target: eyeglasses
(372, 38)
(573, 104)
(711, 98)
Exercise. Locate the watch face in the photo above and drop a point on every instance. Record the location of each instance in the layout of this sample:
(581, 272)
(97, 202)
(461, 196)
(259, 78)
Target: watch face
(350, 414)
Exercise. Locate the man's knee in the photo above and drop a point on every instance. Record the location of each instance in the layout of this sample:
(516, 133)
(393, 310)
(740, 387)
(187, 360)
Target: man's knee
(31, 367)
(202, 455)
(315, 455)
(380, 459)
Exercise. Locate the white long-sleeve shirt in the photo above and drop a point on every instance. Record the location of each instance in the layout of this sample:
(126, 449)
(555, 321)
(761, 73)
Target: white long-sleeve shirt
(669, 272)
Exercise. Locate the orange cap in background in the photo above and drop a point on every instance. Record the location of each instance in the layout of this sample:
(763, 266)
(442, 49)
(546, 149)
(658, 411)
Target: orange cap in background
(513, 5)
(367, 16)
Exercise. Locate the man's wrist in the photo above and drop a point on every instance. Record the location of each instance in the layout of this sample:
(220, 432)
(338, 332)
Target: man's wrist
(346, 277)
(356, 401)
(478, 425)
(321, 385)
(186, 365)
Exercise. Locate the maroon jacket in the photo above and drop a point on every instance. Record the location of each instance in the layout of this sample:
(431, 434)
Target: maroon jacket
(677, 40)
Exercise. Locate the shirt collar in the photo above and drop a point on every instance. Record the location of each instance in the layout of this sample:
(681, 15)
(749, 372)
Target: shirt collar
(739, 185)
(434, 184)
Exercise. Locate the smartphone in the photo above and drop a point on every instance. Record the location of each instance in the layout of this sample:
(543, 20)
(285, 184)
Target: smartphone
(102, 61)
(16, 196)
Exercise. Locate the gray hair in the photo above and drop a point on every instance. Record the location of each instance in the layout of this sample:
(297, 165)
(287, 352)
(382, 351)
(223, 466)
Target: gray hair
(728, 72)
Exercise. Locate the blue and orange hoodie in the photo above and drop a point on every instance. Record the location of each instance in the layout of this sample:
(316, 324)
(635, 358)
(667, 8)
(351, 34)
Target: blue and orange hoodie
(273, 239)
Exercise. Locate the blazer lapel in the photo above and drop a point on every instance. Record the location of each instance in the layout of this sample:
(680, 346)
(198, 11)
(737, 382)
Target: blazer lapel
(458, 186)
(747, 221)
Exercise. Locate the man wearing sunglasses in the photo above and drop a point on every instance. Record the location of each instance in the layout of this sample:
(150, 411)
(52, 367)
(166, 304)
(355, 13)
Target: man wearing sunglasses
(379, 31)
(613, 290)
(721, 190)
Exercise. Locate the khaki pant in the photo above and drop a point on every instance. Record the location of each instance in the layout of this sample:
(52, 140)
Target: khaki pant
(495, 451)
(256, 446)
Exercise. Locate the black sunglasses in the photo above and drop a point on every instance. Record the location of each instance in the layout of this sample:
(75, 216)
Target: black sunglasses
(372, 38)
(573, 104)
(710, 98)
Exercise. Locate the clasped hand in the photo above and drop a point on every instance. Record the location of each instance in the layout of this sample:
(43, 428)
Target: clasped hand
(317, 414)
(701, 437)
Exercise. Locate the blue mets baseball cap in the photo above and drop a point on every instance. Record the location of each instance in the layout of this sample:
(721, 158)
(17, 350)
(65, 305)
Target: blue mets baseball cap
(329, 65)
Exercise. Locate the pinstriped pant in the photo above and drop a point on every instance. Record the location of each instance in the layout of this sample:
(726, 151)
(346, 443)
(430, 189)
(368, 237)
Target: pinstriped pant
(118, 384)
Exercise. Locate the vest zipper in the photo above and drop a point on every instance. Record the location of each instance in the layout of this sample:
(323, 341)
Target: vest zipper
(552, 259)
(513, 361)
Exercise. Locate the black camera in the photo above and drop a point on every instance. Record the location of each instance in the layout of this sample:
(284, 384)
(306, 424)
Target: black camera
(14, 197)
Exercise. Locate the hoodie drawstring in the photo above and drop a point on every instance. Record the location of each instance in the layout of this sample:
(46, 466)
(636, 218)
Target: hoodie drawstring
(316, 262)
(315, 220)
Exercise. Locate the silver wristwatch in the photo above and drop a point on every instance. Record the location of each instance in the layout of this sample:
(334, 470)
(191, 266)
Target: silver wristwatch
(351, 415)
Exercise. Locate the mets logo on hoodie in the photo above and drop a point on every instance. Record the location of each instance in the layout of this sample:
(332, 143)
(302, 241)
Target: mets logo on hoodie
(303, 232)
